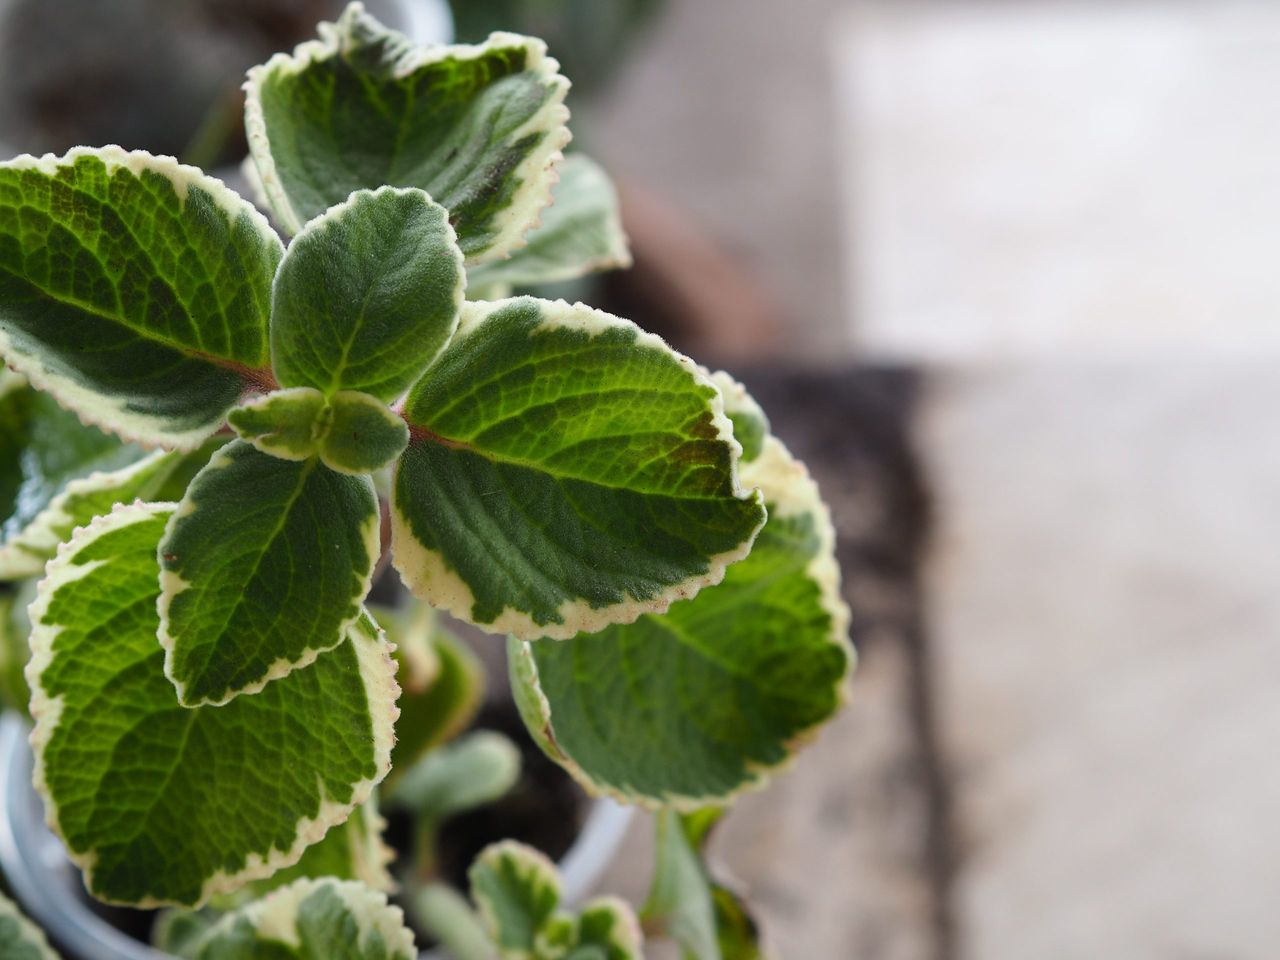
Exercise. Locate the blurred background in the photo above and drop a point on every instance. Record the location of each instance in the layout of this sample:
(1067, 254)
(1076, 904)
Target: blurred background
(1005, 274)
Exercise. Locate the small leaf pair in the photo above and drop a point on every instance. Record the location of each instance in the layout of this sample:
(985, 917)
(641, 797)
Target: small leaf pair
(516, 891)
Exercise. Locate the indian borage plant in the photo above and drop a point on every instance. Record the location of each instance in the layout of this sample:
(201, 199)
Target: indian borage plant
(210, 695)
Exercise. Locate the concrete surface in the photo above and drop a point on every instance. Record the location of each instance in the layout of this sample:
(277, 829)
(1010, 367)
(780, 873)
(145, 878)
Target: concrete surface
(1105, 622)
(727, 110)
(1060, 177)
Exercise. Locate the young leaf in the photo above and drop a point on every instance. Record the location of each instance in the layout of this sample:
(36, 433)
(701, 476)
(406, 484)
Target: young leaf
(447, 915)
(264, 565)
(707, 919)
(367, 295)
(588, 476)
(161, 804)
(479, 128)
(690, 707)
(443, 683)
(517, 892)
(284, 423)
(607, 930)
(581, 233)
(478, 768)
(133, 289)
(20, 939)
(361, 434)
(312, 920)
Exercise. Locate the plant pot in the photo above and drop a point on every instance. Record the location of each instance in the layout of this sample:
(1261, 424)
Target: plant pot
(49, 887)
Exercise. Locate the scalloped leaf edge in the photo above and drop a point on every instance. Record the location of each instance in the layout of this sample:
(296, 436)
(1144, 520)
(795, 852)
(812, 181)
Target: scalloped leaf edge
(427, 574)
(93, 408)
(377, 673)
(275, 916)
(790, 491)
(171, 584)
(537, 172)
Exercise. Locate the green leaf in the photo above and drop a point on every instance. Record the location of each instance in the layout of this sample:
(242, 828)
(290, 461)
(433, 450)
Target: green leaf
(312, 920)
(581, 233)
(133, 289)
(161, 804)
(442, 679)
(43, 448)
(361, 434)
(284, 423)
(159, 476)
(680, 902)
(478, 128)
(567, 471)
(707, 919)
(20, 939)
(15, 648)
(367, 295)
(179, 932)
(66, 474)
(693, 706)
(517, 891)
(737, 930)
(264, 566)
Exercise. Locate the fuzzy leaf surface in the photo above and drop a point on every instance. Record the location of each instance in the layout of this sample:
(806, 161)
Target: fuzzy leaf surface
(20, 939)
(479, 128)
(164, 804)
(692, 706)
(284, 423)
(567, 471)
(367, 295)
(265, 563)
(312, 920)
(361, 434)
(133, 289)
(581, 233)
